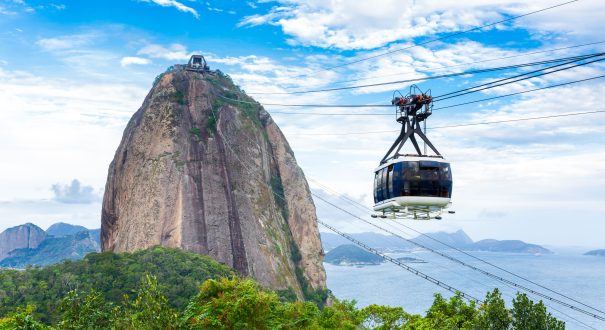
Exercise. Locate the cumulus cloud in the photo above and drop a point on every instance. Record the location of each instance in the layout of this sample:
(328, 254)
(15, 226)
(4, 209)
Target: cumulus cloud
(129, 60)
(367, 25)
(372, 24)
(74, 193)
(178, 5)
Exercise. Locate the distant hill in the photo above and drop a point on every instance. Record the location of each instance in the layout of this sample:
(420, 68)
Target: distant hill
(179, 274)
(599, 253)
(61, 229)
(53, 250)
(29, 245)
(458, 239)
(379, 241)
(20, 237)
(96, 234)
(514, 246)
(351, 255)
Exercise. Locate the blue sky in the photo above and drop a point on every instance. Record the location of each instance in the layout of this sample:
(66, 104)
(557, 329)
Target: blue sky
(73, 72)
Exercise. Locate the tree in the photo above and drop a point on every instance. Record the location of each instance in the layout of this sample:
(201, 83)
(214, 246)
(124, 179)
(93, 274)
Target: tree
(449, 314)
(493, 313)
(384, 317)
(90, 311)
(530, 315)
(22, 319)
(151, 310)
(229, 303)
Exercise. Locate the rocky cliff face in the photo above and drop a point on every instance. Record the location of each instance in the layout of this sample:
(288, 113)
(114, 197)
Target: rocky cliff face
(198, 171)
(20, 237)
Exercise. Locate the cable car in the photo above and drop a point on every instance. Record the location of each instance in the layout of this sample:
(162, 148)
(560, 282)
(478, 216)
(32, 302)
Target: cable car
(412, 186)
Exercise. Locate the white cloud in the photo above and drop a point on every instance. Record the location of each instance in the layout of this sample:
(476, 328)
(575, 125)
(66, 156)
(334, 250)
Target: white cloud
(372, 24)
(5, 11)
(65, 42)
(74, 193)
(58, 6)
(59, 129)
(367, 25)
(264, 75)
(175, 52)
(178, 5)
(129, 60)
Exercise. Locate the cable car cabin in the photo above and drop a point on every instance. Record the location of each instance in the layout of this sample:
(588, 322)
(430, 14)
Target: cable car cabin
(417, 187)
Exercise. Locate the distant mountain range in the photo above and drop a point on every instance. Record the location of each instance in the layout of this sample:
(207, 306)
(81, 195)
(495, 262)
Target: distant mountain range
(29, 245)
(598, 253)
(458, 239)
(350, 254)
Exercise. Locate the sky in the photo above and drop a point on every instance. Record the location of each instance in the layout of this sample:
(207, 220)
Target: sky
(72, 73)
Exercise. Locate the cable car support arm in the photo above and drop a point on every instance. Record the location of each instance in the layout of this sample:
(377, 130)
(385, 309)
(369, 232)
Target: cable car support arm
(412, 109)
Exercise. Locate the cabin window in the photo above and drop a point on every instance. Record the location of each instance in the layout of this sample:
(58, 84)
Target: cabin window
(385, 181)
(380, 183)
(390, 182)
(421, 178)
(376, 187)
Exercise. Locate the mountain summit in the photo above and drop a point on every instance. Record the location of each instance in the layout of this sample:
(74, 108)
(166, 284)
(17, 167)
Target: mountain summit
(199, 171)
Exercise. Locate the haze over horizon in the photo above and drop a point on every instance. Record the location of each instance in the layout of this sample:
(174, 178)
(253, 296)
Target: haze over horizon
(72, 74)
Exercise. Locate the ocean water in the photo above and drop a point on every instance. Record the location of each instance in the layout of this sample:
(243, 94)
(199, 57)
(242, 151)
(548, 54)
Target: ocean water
(575, 275)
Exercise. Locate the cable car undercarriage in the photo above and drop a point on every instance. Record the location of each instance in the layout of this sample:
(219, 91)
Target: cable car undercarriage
(412, 186)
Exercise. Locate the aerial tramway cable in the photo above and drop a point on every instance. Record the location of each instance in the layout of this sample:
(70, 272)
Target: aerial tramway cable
(518, 93)
(436, 108)
(449, 106)
(509, 80)
(496, 277)
(565, 315)
(365, 209)
(401, 264)
(449, 75)
(465, 125)
(441, 68)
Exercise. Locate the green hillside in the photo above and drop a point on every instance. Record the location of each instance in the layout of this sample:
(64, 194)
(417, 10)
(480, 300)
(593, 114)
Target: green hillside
(162, 288)
(178, 273)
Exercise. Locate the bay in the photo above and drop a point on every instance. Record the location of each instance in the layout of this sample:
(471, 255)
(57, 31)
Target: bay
(575, 275)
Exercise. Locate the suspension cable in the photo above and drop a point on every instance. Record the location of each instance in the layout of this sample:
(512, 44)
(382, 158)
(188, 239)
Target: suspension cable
(449, 75)
(365, 208)
(486, 273)
(441, 68)
(401, 264)
(389, 105)
(466, 125)
(510, 80)
(518, 93)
